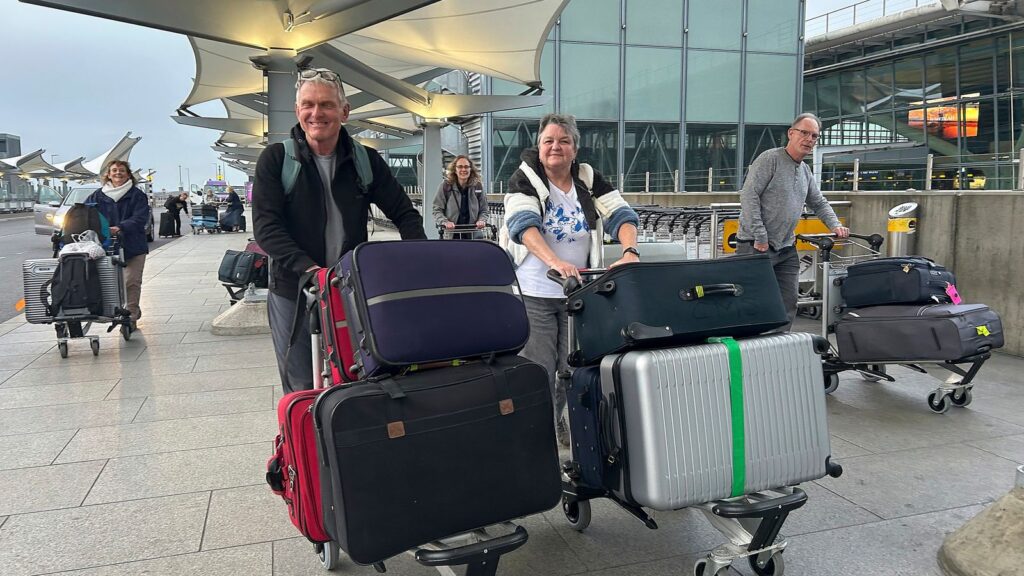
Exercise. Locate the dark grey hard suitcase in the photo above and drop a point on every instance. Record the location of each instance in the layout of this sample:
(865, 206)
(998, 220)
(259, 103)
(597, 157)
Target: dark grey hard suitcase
(931, 332)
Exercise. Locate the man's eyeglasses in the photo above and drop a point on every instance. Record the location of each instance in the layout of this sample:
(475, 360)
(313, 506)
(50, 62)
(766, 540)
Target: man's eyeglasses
(310, 73)
(807, 133)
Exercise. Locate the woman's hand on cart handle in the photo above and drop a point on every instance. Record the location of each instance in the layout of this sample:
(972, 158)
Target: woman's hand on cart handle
(841, 232)
(569, 283)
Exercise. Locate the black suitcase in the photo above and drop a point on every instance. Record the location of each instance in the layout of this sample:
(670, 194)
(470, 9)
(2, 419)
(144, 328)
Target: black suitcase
(166, 225)
(670, 303)
(408, 460)
(897, 280)
(933, 332)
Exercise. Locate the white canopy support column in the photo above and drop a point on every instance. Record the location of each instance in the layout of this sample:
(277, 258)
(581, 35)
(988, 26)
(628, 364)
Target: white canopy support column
(432, 172)
(279, 68)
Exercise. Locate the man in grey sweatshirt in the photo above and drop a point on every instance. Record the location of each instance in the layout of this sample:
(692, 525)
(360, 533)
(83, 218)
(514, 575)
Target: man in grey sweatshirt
(774, 194)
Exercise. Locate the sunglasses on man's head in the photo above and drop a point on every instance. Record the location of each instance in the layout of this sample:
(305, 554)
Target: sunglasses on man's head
(310, 73)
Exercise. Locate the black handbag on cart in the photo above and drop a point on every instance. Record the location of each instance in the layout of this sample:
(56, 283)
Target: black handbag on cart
(663, 304)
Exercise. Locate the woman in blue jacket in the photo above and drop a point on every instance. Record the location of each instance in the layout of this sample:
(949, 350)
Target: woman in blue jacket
(127, 209)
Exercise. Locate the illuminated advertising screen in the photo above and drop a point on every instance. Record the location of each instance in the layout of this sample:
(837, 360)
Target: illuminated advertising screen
(946, 121)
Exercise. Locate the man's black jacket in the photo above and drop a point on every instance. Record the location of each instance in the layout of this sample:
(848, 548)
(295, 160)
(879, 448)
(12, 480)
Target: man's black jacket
(291, 230)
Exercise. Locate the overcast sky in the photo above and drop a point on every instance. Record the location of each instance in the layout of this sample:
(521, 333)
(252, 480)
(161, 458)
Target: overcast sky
(74, 84)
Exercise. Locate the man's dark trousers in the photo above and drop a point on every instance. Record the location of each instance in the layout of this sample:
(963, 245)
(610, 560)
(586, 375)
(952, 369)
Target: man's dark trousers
(786, 263)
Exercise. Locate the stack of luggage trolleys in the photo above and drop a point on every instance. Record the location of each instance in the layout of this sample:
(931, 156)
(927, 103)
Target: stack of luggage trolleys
(74, 290)
(431, 434)
(668, 411)
(902, 310)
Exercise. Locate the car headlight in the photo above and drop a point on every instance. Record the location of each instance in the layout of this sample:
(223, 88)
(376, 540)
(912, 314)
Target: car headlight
(58, 221)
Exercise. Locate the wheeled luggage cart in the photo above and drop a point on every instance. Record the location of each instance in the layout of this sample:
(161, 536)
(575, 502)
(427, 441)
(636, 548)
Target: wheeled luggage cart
(468, 232)
(751, 522)
(77, 325)
(205, 218)
(957, 375)
(478, 550)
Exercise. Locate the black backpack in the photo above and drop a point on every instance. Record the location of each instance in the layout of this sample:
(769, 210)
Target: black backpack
(75, 287)
(78, 219)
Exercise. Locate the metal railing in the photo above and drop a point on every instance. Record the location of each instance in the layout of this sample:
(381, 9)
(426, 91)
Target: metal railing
(858, 13)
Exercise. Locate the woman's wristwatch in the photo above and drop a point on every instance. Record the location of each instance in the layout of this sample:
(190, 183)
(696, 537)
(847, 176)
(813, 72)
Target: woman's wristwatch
(631, 250)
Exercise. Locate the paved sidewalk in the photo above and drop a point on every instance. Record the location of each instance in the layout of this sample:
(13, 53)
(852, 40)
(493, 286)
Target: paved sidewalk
(149, 459)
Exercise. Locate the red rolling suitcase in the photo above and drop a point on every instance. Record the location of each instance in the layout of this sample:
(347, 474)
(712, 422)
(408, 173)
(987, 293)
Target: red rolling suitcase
(293, 472)
(337, 345)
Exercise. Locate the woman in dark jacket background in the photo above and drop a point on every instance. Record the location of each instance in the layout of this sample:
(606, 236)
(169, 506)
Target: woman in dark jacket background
(127, 209)
(233, 215)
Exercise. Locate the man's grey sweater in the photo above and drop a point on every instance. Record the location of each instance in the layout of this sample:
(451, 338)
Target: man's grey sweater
(773, 198)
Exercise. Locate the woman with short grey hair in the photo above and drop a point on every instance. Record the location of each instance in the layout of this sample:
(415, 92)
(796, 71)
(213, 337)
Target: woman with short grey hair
(557, 212)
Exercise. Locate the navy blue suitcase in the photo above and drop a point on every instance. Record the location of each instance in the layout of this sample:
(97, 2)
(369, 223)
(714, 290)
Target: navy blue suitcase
(587, 412)
(415, 302)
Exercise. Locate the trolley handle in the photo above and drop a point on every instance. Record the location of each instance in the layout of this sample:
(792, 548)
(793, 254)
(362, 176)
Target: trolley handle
(826, 241)
(571, 284)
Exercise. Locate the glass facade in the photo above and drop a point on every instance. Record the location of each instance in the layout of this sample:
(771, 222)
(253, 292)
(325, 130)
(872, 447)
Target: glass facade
(955, 98)
(663, 90)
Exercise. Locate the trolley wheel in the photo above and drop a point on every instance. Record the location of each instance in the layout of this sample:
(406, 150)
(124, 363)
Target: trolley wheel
(880, 368)
(95, 345)
(939, 403)
(775, 566)
(962, 398)
(126, 332)
(577, 512)
(62, 347)
(700, 568)
(831, 382)
(329, 555)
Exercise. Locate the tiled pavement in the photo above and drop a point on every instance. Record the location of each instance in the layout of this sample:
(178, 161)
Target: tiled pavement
(148, 459)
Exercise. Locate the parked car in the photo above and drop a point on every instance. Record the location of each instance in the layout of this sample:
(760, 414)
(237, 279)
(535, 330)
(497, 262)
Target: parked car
(44, 209)
(74, 196)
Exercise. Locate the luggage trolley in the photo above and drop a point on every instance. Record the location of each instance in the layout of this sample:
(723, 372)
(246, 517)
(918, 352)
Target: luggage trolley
(76, 324)
(478, 550)
(957, 375)
(468, 232)
(751, 522)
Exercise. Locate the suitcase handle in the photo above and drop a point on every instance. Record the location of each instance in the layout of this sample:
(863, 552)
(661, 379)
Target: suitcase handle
(703, 291)
(604, 415)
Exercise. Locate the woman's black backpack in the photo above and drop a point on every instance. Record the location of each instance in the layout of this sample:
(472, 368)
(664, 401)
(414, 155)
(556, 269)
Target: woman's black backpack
(78, 219)
(75, 288)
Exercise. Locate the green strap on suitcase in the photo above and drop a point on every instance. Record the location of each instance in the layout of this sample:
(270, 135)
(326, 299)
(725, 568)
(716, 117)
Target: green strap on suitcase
(739, 455)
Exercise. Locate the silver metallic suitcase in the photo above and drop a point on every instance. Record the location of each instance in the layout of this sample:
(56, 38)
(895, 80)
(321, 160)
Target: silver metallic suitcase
(37, 272)
(675, 406)
(34, 274)
(111, 285)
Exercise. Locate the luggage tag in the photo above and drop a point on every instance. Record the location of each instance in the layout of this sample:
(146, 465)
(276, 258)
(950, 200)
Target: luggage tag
(954, 296)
